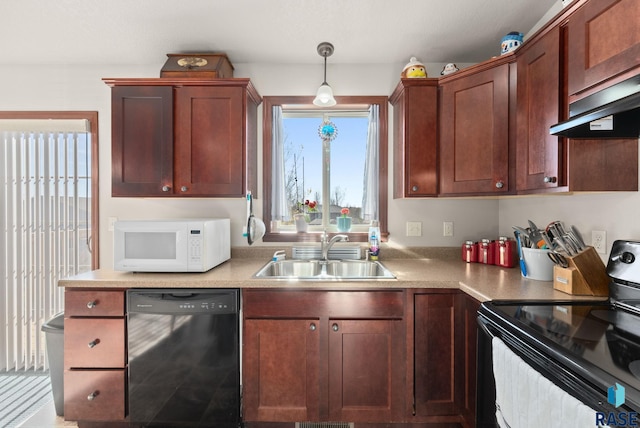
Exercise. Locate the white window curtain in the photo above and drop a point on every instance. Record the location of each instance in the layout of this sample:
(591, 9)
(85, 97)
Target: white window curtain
(371, 182)
(45, 220)
(279, 209)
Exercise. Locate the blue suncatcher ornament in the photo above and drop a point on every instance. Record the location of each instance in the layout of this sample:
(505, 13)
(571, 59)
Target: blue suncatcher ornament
(328, 130)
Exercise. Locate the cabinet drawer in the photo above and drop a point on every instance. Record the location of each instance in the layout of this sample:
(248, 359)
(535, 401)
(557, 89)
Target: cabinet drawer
(87, 303)
(381, 304)
(94, 394)
(94, 342)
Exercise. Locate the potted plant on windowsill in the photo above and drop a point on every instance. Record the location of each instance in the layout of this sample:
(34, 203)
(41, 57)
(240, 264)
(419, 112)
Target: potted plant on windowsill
(301, 216)
(344, 221)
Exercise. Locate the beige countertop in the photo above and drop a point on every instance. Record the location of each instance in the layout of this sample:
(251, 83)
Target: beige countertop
(483, 282)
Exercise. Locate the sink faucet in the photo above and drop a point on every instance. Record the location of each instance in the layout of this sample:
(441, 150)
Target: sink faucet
(326, 245)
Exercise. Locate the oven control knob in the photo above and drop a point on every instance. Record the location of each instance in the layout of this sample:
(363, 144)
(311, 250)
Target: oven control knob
(627, 257)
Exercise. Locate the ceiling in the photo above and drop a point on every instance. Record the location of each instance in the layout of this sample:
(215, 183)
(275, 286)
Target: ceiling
(260, 31)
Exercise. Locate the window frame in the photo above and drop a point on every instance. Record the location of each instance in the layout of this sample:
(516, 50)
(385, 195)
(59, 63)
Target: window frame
(306, 103)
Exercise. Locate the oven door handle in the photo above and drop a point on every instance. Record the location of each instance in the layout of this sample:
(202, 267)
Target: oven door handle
(486, 328)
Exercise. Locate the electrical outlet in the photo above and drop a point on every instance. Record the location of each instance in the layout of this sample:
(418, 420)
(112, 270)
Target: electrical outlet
(447, 228)
(414, 228)
(599, 241)
(111, 221)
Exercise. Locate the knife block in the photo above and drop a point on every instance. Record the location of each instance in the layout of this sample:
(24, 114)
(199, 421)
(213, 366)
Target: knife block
(586, 275)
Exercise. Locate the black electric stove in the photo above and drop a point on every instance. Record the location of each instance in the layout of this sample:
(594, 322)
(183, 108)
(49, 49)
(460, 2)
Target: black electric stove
(584, 347)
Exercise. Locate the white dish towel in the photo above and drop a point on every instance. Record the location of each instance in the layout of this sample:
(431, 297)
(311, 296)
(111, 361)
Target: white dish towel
(526, 399)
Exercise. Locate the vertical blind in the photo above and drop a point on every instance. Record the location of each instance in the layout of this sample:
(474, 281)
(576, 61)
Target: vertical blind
(45, 220)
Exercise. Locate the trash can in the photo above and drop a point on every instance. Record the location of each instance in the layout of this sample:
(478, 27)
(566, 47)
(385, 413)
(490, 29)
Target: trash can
(54, 334)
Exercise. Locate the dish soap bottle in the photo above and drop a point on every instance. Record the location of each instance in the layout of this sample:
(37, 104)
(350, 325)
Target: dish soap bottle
(374, 243)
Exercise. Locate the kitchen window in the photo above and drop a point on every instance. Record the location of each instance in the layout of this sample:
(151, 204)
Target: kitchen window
(316, 176)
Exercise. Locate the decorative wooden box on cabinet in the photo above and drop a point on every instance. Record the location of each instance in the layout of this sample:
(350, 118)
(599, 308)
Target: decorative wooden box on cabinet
(603, 45)
(183, 137)
(94, 355)
(323, 356)
(415, 134)
(476, 123)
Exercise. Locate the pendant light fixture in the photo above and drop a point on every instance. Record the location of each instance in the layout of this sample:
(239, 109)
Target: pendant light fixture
(324, 96)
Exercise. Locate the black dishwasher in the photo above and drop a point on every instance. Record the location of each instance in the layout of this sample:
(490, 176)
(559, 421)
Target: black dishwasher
(184, 363)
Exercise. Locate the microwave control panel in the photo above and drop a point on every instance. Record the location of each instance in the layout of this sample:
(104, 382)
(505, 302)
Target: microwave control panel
(195, 245)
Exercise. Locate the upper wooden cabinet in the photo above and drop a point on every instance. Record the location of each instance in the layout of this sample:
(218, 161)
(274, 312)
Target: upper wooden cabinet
(475, 129)
(540, 158)
(183, 137)
(415, 134)
(603, 43)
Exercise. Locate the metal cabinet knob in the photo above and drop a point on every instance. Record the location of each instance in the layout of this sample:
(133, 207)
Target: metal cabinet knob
(312, 327)
(335, 327)
(500, 184)
(93, 343)
(184, 189)
(92, 396)
(414, 188)
(166, 188)
(548, 179)
(92, 304)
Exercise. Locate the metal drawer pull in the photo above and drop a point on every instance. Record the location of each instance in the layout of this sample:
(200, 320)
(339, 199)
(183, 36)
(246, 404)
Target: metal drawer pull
(166, 188)
(92, 396)
(500, 184)
(93, 343)
(312, 327)
(92, 304)
(335, 327)
(184, 188)
(549, 179)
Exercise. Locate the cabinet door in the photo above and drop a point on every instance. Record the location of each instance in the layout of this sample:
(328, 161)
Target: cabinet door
(539, 155)
(209, 148)
(142, 140)
(280, 370)
(365, 370)
(604, 40)
(467, 343)
(436, 366)
(415, 121)
(474, 130)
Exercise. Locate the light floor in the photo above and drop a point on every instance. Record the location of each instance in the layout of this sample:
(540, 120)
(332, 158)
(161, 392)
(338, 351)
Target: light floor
(47, 418)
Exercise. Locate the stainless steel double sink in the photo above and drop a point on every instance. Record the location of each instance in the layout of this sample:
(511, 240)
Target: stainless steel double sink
(321, 270)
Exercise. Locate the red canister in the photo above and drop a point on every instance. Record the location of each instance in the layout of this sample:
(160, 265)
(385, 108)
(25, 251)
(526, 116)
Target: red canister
(470, 252)
(505, 252)
(486, 252)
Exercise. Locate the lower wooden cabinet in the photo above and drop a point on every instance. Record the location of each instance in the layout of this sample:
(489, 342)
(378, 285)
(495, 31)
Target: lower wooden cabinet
(342, 361)
(442, 341)
(94, 356)
(383, 356)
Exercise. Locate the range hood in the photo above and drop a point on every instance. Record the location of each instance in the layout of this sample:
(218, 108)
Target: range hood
(613, 112)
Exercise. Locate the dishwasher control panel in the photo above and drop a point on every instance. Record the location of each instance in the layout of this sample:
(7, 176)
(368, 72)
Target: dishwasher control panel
(183, 301)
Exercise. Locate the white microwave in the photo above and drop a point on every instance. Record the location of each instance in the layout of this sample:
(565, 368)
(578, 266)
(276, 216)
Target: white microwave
(189, 245)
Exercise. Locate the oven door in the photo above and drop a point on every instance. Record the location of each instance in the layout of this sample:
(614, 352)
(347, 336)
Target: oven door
(548, 345)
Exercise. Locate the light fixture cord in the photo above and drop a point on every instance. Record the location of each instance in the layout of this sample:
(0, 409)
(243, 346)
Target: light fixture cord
(325, 69)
